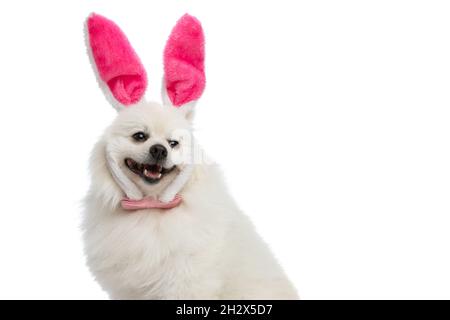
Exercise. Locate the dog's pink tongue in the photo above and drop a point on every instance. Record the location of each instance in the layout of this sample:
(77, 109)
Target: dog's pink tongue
(149, 203)
(151, 174)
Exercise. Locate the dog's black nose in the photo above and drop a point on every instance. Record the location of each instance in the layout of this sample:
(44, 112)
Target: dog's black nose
(158, 152)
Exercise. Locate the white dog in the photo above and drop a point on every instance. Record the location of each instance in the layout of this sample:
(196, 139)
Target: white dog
(159, 222)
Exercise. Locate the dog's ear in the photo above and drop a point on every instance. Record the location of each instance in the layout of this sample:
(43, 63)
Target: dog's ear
(184, 64)
(119, 70)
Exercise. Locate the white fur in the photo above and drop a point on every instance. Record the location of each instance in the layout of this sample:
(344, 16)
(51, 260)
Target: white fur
(177, 184)
(206, 248)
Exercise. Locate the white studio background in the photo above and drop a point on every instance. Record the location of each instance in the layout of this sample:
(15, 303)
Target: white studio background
(331, 120)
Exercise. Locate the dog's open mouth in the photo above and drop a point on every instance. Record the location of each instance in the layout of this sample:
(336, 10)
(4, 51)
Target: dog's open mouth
(151, 173)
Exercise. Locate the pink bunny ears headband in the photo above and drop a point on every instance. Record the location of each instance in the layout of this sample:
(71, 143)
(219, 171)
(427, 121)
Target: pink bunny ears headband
(122, 75)
(123, 79)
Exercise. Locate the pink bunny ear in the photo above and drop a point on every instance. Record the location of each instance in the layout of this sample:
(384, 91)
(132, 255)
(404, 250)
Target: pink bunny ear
(117, 63)
(184, 57)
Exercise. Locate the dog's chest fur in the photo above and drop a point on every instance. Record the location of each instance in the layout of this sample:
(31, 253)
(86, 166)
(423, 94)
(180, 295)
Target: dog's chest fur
(157, 254)
(203, 249)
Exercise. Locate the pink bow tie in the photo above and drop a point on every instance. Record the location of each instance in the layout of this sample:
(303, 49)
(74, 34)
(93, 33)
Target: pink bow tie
(150, 203)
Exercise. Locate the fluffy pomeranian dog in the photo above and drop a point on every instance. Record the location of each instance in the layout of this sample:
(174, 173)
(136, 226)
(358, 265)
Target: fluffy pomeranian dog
(158, 221)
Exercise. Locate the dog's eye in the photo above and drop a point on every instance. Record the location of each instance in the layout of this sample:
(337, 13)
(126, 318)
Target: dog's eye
(140, 136)
(173, 143)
